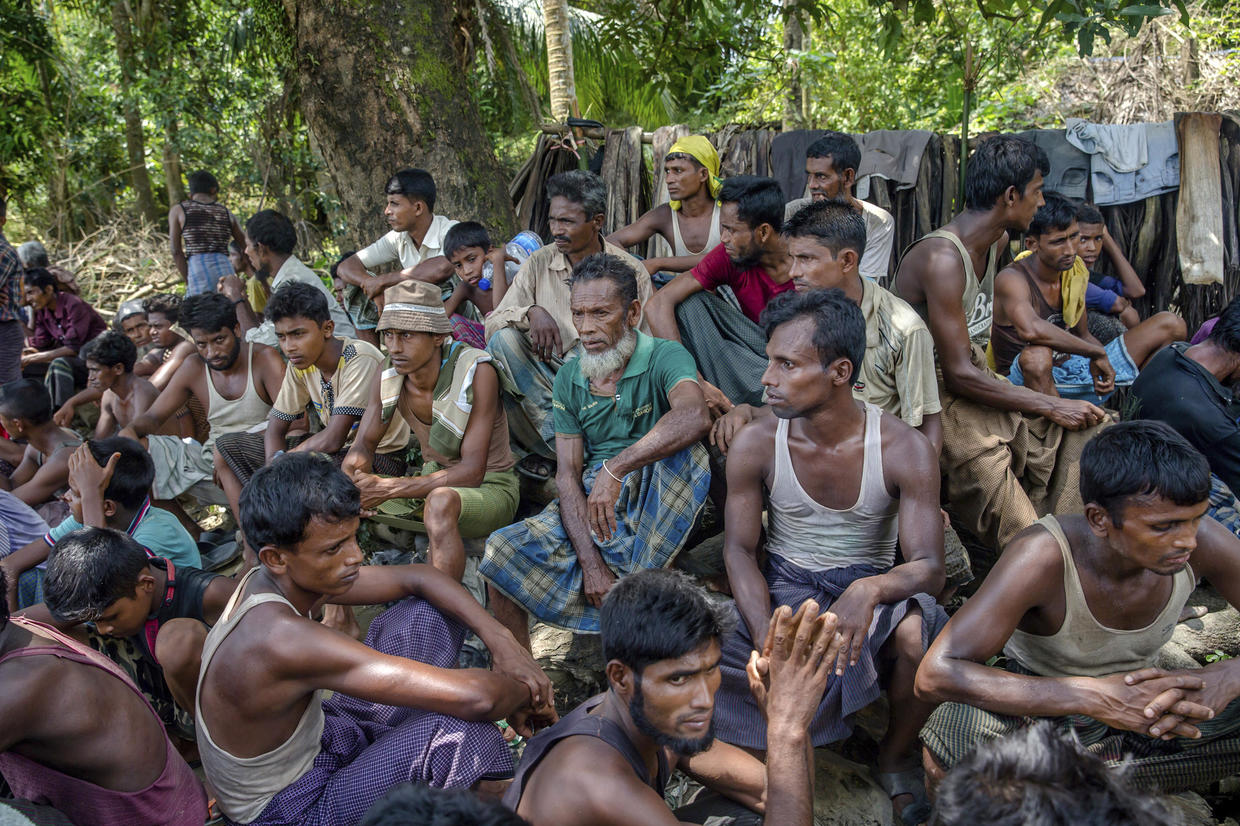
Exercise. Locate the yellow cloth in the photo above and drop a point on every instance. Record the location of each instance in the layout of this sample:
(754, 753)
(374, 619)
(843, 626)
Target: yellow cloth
(1072, 285)
(700, 149)
(256, 293)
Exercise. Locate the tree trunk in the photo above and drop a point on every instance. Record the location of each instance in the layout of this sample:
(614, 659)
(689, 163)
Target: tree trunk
(172, 161)
(560, 59)
(794, 41)
(382, 88)
(135, 142)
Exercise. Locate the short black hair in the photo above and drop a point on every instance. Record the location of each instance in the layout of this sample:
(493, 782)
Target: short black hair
(40, 279)
(273, 230)
(135, 471)
(1000, 162)
(580, 187)
(839, 326)
(834, 224)
(1058, 213)
(298, 299)
(758, 200)
(684, 156)
(414, 184)
(88, 570)
(465, 234)
(840, 147)
(1226, 331)
(417, 804)
(209, 312)
(1039, 776)
(1087, 213)
(26, 399)
(612, 267)
(281, 498)
(202, 182)
(109, 349)
(166, 304)
(658, 614)
(1142, 458)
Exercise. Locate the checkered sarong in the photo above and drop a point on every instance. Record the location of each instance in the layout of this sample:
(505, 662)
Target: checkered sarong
(529, 417)
(204, 270)
(730, 350)
(533, 563)
(1223, 505)
(954, 730)
(367, 748)
(737, 717)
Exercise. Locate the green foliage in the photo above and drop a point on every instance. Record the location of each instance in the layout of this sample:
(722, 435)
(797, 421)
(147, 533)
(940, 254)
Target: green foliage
(1217, 656)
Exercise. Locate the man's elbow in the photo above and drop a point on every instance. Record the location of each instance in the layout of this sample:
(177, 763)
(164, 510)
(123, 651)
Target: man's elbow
(932, 683)
(699, 423)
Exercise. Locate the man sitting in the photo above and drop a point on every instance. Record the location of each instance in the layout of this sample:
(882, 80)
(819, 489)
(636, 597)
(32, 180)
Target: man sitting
(62, 324)
(43, 473)
(1040, 337)
(60, 753)
(109, 371)
(631, 476)
(131, 320)
(531, 332)
(1107, 296)
(233, 380)
(1008, 452)
(831, 164)
(270, 239)
(840, 482)
(449, 395)
(109, 487)
(163, 313)
(752, 262)
(689, 221)
(609, 761)
(1081, 605)
(277, 753)
(335, 375)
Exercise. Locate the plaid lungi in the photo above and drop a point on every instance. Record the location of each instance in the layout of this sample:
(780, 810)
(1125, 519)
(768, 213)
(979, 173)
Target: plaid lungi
(1223, 505)
(367, 748)
(738, 719)
(533, 563)
(61, 376)
(205, 269)
(954, 730)
(469, 332)
(529, 418)
(730, 350)
(245, 453)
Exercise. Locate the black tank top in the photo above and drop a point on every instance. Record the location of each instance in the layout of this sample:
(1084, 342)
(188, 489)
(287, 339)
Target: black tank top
(1004, 339)
(581, 722)
(208, 227)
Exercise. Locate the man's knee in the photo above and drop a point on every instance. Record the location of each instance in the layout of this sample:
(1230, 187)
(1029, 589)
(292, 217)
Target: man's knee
(442, 509)
(1036, 361)
(178, 647)
(507, 341)
(909, 636)
(1172, 325)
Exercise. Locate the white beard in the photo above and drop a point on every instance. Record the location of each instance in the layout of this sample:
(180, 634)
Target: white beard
(598, 366)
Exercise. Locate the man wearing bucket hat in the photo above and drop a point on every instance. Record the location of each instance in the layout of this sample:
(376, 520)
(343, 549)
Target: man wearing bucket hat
(689, 221)
(449, 394)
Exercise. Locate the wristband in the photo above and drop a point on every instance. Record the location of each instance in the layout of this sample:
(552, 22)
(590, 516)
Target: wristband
(612, 475)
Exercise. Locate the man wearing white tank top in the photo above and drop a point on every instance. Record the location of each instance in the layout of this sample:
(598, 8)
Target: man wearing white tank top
(840, 481)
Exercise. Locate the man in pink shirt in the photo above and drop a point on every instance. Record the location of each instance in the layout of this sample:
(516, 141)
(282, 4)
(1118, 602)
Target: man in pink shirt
(723, 335)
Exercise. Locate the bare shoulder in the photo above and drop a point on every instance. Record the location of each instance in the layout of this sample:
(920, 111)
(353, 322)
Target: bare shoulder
(608, 778)
(1031, 562)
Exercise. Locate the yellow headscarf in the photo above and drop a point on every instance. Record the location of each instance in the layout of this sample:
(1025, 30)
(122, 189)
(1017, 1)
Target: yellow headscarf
(698, 148)
(1072, 285)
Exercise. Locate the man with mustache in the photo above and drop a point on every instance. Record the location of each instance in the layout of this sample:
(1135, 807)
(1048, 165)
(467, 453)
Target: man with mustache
(531, 330)
(607, 762)
(234, 381)
(631, 475)
(1041, 337)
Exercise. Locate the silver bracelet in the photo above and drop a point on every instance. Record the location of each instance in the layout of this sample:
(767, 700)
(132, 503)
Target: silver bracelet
(612, 475)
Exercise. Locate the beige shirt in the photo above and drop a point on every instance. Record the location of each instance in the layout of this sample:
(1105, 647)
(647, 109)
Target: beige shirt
(880, 234)
(543, 280)
(398, 246)
(897, 373)
(294, 270)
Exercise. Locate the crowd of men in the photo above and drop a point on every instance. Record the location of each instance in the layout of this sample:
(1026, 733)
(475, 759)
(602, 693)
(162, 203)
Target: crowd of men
(850, 411)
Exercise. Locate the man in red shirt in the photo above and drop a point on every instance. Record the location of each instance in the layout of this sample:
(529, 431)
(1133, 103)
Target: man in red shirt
(62, 324)
(724, 337)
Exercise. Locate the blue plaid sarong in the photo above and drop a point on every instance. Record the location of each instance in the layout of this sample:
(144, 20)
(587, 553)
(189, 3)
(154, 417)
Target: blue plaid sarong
(1223, 505)
(529, 417)
(205, 269)
(533, 563)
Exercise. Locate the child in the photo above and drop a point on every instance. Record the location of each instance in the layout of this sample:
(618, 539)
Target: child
(468, 246)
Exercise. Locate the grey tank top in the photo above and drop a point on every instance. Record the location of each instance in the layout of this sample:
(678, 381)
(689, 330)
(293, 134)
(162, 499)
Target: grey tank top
(1083, 647)
(979, 296)
(816, 537)
(245, 785)
(235, 415)
(679, 248)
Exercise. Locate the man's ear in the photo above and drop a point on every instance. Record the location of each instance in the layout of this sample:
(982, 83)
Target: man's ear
(849, 177)
(110, 507)
(146, 582)
(634, 315)
(763, 233)
(1031, 243)
(840, 372)
(621, 678)
(849, 260)
(273, 558)
(329, 329)
(1100, 522)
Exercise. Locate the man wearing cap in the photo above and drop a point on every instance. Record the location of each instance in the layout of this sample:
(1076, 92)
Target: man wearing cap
(689, 222)
(631, 474)
(449, 395)
(531, 331)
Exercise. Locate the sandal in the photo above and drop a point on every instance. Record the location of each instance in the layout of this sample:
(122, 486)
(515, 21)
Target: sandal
(911, 782)
(536, 467)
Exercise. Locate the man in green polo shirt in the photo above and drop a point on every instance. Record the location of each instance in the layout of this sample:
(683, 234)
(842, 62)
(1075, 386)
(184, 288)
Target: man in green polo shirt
(631, 472)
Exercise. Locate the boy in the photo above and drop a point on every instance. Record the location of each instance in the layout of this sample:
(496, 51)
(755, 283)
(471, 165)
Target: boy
(109, 484)
(109, 370)
(468, 246)
(41, 475)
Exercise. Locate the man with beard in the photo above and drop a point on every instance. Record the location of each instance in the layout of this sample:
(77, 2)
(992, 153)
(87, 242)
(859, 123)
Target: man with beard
(531, 332)
(233, 380)
(269, 242)
(831, 164)
(448, 394)
(1041, 338)
(752, 263)
(608, 761)
(632, 476)
(840, 481)
(1080, 606)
